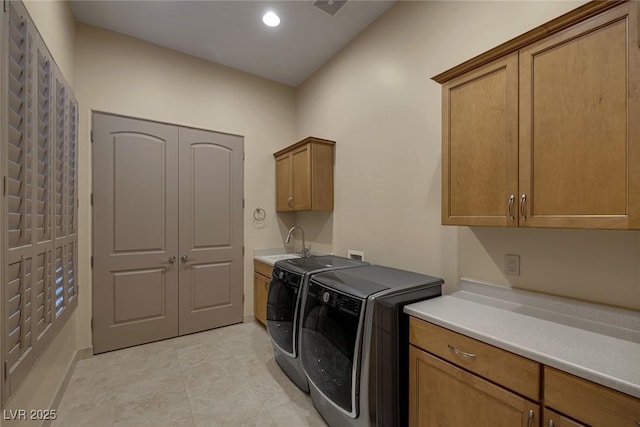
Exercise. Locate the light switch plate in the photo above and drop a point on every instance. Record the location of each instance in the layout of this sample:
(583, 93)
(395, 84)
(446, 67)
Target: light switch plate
(512, 264)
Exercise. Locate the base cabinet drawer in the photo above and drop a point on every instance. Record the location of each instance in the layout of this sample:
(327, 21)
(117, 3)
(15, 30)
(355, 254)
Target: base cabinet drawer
(587, 402)
(509, 370)
(441, 394)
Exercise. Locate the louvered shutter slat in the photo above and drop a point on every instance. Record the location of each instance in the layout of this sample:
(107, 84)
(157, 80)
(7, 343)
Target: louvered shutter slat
(13, 204)
(59, 300)
(14, 221)
(14, 168)
(16, 71)
(14, 187)
(15, 119)
(70, 273)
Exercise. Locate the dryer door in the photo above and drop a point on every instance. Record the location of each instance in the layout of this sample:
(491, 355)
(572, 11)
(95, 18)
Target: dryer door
(282, 306)
(330, 337)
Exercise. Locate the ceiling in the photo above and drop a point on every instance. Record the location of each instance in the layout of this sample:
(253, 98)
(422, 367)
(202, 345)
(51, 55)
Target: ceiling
(231, 33)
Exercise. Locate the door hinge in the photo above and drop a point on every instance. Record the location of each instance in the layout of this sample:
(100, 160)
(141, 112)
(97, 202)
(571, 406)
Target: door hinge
(243, 251)
(92, 323)
(91, 261)
(243, 298)
(6, 370)
(4, 185)
(242, 203)
(91, 136)
(4, 5)
(243, 155)
(78, 202)
(91, 199)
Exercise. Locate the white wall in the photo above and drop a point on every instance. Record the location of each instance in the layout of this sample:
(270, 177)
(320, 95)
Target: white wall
(123, 75)
(376, 100)
(55, 23)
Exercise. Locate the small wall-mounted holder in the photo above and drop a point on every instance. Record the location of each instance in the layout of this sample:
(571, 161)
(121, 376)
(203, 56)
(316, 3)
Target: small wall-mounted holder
(259, 214)
(259, 217)
(357, 255)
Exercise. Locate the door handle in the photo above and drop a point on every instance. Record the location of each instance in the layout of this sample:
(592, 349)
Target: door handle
(512, 199)
(523, 213)
(185, 258)
(170, 260)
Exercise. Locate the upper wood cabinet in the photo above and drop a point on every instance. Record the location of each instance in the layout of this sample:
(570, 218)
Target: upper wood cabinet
(480, 145)
(304, 176)
(544, 135)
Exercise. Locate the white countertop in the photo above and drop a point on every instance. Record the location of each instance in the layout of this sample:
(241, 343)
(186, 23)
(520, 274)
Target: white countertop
(591, 341)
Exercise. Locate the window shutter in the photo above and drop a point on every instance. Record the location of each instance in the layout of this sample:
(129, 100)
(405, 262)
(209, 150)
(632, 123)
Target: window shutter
(59, 299)
(43, 204)
(43, 330)
(59, 163)
(19, 150)
(43, 294)
(71, 194)
(71, 167)
(39, 271)
(18, 351)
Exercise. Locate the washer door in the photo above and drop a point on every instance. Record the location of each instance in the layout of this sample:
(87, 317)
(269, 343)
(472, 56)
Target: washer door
(282, 304)
(329, 341)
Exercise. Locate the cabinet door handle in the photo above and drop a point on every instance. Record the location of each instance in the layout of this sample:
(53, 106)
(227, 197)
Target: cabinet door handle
(289, 200)
(512, 199)
(461, 353)
(551, 424)
(530, 419)
(523, 214)
(170, 260)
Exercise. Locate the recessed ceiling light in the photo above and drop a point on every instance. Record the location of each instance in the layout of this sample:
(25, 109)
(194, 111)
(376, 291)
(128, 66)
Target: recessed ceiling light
(271, 19)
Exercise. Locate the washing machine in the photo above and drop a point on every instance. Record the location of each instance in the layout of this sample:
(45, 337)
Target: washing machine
(284, 301)
(354, 343)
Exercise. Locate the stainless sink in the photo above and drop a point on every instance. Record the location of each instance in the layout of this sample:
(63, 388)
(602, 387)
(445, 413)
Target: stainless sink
(272, 259)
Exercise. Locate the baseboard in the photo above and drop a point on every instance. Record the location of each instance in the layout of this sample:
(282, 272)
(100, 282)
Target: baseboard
(83, 353)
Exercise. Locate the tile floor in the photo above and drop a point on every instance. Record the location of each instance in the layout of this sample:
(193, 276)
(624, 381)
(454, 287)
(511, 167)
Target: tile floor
(226, 377)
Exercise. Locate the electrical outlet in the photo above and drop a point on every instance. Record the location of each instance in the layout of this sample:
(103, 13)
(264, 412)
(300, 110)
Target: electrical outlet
(512, 265)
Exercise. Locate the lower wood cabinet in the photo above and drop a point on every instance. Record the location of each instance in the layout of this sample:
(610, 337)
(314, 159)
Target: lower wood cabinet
(442, 394)
(261, 280)
(455, 380)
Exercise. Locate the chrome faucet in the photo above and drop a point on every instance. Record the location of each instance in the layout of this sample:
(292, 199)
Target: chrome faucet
(304, 252)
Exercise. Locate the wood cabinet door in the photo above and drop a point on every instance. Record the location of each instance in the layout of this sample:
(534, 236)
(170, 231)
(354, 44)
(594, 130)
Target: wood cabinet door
(579, 127)
(301, 178)
(284, 191)
(553, 419)
(441, 394)
(480, 146)
(261, 291)
(588, 402)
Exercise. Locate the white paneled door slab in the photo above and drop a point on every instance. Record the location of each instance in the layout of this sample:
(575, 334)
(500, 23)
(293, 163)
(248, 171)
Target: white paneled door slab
(210, 216)
(167, 224)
